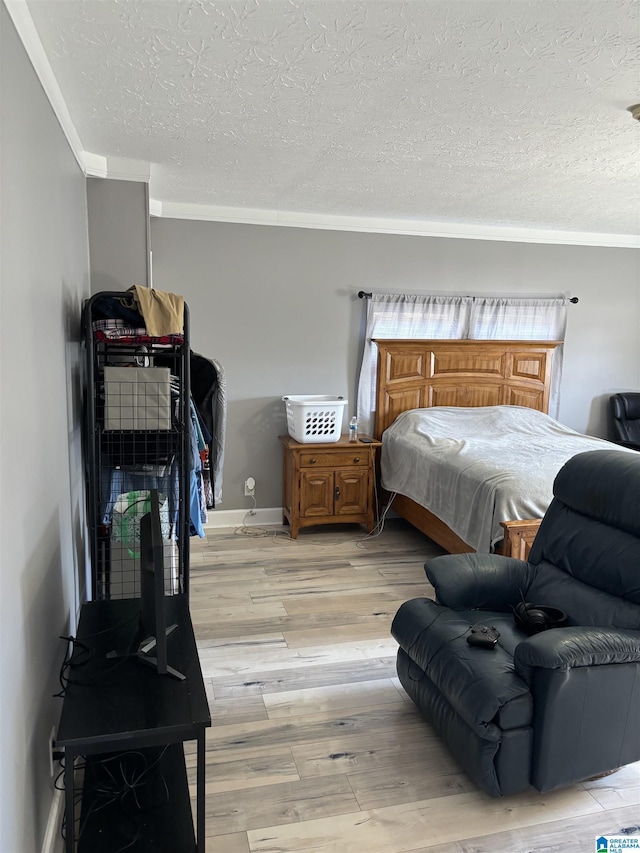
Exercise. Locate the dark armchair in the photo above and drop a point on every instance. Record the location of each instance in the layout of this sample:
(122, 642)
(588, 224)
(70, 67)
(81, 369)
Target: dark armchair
(625, 409)
(562, 705)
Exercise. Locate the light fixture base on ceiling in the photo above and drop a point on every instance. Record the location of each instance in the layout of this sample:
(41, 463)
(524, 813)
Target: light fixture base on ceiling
(635, 111)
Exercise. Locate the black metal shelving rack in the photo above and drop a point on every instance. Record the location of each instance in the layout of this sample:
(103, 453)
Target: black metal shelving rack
(126, 458)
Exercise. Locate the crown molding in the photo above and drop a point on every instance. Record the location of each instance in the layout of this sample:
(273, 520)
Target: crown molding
(94, 165)
(380, 225)
(120, 168)
(117, 168)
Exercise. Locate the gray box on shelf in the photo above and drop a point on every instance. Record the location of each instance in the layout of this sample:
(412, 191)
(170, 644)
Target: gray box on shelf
(137, 398)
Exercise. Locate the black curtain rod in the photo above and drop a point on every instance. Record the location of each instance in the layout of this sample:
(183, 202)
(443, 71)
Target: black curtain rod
(364, 295)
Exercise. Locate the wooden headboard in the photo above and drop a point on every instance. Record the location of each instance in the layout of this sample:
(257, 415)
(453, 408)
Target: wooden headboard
(414, 374)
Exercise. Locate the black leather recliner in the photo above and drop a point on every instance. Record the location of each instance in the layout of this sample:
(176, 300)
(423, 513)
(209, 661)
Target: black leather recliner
(625, 409)
(562, 705)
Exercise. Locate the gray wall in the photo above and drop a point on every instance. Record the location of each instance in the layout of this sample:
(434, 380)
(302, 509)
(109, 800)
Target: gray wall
(278, 307)
(44, 277)
(118, 234)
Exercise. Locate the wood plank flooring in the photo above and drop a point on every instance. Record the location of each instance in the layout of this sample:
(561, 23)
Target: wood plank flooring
(314, 744)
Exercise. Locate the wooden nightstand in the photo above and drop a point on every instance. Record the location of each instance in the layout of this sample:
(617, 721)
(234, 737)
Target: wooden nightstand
(328, 483)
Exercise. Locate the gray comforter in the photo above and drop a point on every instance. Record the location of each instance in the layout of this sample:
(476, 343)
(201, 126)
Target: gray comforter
(476, 467)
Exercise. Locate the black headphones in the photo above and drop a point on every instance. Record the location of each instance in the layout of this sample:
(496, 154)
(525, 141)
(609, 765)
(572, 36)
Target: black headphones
(534, 618)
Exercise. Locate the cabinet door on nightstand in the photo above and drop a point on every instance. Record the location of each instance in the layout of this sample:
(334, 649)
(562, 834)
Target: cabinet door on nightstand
(351, 493)
(316, 493)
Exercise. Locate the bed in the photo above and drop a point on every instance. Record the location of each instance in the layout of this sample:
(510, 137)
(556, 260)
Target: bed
(468, 446)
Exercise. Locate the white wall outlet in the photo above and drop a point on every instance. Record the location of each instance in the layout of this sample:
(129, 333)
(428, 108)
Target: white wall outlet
(250, 486)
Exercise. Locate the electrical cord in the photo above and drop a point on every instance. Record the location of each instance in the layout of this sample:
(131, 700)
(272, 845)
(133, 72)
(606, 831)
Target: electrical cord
(243, 530)
(111, 628)
(379, 527)
(65, 681)
(69, 663)
(117, 780)
(256, 531)
(79, 765)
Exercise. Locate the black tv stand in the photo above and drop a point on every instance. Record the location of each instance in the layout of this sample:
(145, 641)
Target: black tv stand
(148, 645)
(141, 650)
(117, 708)
(153, 815)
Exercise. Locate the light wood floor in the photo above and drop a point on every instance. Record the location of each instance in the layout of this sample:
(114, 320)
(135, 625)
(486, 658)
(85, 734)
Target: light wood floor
(314, 745)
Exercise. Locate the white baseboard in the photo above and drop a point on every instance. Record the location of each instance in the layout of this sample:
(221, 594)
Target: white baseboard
(241, 518)
(53, 841)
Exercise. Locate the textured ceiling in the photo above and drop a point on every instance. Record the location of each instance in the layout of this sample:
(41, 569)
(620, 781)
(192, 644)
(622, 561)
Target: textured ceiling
(461, 111)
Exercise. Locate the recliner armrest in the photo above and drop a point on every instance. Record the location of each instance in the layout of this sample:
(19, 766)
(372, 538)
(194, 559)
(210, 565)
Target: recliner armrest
(632, 445)
(564, 648)
(484, 581)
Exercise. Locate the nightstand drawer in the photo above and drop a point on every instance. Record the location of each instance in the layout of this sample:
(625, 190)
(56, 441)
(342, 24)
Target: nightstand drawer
(341, 459)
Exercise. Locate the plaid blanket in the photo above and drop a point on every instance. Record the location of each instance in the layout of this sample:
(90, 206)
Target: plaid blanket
(117, 330)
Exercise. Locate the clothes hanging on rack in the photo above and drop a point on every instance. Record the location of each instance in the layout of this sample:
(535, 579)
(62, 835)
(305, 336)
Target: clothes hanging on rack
(219, 430)
(209, 393)
(116, 482)
(144, 312)
(196, 516)
(206, 480)
(129, 451)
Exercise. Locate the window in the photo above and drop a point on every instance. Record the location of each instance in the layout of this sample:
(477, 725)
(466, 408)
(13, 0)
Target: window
(394, 315)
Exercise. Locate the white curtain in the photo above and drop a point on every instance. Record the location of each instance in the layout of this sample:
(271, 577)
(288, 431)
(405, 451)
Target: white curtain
(394, 315)
(514, 319)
